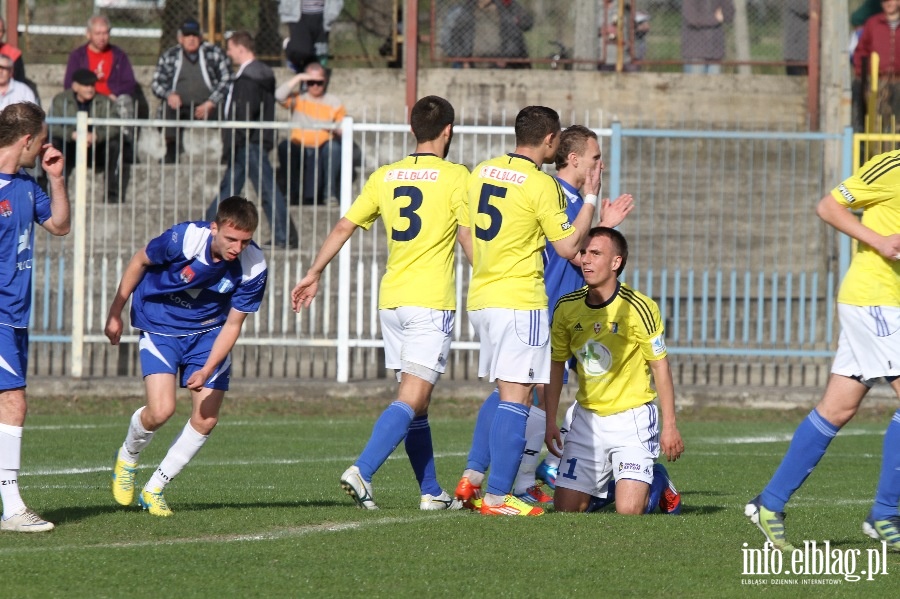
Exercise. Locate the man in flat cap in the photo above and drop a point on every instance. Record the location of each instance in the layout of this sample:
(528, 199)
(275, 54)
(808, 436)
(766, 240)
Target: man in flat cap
(104, 141)
(192, 80)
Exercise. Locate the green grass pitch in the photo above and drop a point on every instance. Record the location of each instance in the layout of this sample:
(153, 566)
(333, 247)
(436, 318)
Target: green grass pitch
(260, 513)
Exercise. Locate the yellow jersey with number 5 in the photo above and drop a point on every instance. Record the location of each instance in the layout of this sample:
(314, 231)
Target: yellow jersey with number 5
(421, 200)
(514, 208)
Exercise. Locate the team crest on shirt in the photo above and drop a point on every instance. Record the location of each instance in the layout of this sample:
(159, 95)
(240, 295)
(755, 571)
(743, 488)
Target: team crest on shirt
(224, 286)
(5, 208)
(186, 274)
(597, 327)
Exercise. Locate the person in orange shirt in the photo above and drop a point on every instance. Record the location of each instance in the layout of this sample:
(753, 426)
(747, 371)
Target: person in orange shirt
(311, 161)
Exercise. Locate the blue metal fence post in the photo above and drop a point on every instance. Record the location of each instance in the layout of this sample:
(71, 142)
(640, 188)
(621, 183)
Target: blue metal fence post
(846, 170)
(614, 167)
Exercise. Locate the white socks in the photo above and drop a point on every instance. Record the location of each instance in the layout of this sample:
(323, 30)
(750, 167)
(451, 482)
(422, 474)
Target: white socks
(136, 439)
(184, 448)
(535, 427)
(10, 460)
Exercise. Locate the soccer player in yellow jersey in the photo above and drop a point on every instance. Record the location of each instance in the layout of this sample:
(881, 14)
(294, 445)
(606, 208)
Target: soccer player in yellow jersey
(615, 335)
(421, 200)
(514, 209)
(868, 349)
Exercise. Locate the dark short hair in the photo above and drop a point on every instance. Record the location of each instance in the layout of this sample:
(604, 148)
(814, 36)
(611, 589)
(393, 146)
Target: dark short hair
(572, 139)
(429, 116)
(618, 240)
(239, 212)
(534, 123)
(18, 120)
(244, 39)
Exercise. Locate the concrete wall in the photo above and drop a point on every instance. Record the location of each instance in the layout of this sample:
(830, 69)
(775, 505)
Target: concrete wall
(648, 99)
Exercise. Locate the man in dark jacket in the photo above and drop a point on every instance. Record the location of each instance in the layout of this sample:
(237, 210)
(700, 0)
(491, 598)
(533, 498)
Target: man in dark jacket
(251, 97)
(104, 141)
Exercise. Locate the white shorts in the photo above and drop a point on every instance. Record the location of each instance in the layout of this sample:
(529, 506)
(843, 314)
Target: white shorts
(869, 343)
(515, 344)
(624, 445)
(415, 336)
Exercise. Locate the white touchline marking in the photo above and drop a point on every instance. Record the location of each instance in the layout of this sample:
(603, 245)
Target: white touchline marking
(274, 535)
(202, 463)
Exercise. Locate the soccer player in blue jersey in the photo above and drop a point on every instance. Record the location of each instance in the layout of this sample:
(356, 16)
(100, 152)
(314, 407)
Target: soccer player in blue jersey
(23, 137)
(192, 287)
(421, 200)
(615, 335)
(868, 350)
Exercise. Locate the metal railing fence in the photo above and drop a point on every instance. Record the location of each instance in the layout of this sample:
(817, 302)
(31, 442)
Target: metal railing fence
(723, 237)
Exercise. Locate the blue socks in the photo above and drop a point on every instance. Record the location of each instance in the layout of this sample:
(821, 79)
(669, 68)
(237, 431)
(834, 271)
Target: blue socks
(810, 441)
(389, 430)
(421, 455)
(887, 496)
(507, 442)
(480, 452)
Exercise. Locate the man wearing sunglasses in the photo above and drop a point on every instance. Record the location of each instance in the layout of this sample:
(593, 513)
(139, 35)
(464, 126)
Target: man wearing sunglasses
(311, 161)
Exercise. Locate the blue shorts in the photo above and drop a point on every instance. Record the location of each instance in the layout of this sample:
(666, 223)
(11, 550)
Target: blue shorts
(161, 354)
(13, 357)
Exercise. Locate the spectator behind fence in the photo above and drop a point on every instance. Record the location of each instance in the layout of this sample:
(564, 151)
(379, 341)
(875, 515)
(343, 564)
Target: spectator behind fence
(246, 152)
(487, 29)
(192, 79)
(14, 54)
(104, 142)
(795, 17)
(309, 22)
(311, 161)
(608, 31)
(703, 34)
(12, 91)
(115, 76)
(879, 35)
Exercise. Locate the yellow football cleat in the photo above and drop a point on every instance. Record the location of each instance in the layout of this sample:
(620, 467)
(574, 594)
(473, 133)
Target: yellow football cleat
(155, 503)
(123, 481)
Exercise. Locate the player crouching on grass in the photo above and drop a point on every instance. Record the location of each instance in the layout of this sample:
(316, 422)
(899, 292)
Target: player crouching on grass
(193, 287)
(615, 334)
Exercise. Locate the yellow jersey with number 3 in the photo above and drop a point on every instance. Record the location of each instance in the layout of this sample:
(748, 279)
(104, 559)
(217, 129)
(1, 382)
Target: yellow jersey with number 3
(421, 200)
(514, 207)
(613, 344)
(871, 279)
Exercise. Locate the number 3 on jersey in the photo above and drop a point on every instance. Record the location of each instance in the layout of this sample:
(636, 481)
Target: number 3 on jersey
(489, 191)
(408, 212)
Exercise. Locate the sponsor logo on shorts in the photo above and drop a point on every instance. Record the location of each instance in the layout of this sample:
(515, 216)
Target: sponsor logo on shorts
(186, 274)
(503, 175)
(648, 471)
(5, 208)
(658, 345)
(531, 373)
(629, 466)
(846, 193)
(409, 174)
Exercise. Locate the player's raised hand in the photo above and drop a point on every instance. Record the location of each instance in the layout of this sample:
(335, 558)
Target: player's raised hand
(113, 329)
(592, 182)
(671, 443)
(304, 292)
(52, 161)
(613, 213)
